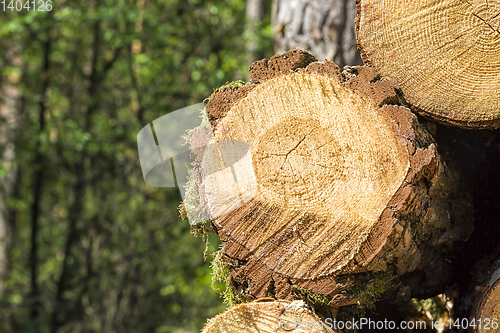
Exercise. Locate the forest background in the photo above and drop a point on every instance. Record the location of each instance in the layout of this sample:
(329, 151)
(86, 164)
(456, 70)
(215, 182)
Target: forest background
(85, 244)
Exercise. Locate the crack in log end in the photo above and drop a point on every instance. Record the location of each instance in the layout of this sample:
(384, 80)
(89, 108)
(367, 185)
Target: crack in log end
(309, 159)
(297, 161)
(487, 23)
(480, 9)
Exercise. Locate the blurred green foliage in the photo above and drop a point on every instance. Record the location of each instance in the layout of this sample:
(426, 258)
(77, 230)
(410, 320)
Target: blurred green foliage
(90, 75)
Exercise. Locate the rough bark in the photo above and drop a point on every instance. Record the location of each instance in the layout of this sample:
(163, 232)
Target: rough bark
(323, 27)
(266, 316)
(443, 54)
(310, 225)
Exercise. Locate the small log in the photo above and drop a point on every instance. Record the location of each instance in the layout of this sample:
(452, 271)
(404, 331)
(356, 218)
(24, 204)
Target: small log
(268, 316)
(348, 183)
(484, 300)
(443, 54)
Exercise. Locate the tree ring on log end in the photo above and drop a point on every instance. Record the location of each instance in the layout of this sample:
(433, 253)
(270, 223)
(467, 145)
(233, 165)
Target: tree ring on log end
(311, 223)
(266, 317)
(304, 157)
(443, 54)
(487, 308)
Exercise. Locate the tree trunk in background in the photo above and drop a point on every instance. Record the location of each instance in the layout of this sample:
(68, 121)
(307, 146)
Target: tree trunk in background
(9, 96)
(255, 10)
(323, 27)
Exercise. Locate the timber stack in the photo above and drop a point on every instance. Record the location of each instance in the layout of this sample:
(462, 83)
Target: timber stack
(347, 197)
(351, 200)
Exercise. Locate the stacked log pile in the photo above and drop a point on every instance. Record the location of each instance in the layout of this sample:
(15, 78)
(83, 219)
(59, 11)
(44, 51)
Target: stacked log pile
(351, 199)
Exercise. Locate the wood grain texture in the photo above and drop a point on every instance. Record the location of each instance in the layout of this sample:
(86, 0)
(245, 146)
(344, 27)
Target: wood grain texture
(349, 183)
(324, 179)
(267, 317)
(443, 54)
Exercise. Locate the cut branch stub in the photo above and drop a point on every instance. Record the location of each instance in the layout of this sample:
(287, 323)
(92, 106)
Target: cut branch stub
(443, 54)
(343, 181)
(267, 316)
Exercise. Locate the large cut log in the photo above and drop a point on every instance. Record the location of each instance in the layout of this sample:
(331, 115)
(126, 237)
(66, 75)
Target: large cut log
(443, 54)
(269, 316)
(340, 182)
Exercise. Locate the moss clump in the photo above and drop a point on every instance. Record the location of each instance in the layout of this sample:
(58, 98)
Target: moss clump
(317, 302)
(373, 290)
(220, 275)
(367, 293)
(182, 211)
(232, 85)
(220, 270)
(202, 229)
(231, 297)
(191, 202)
